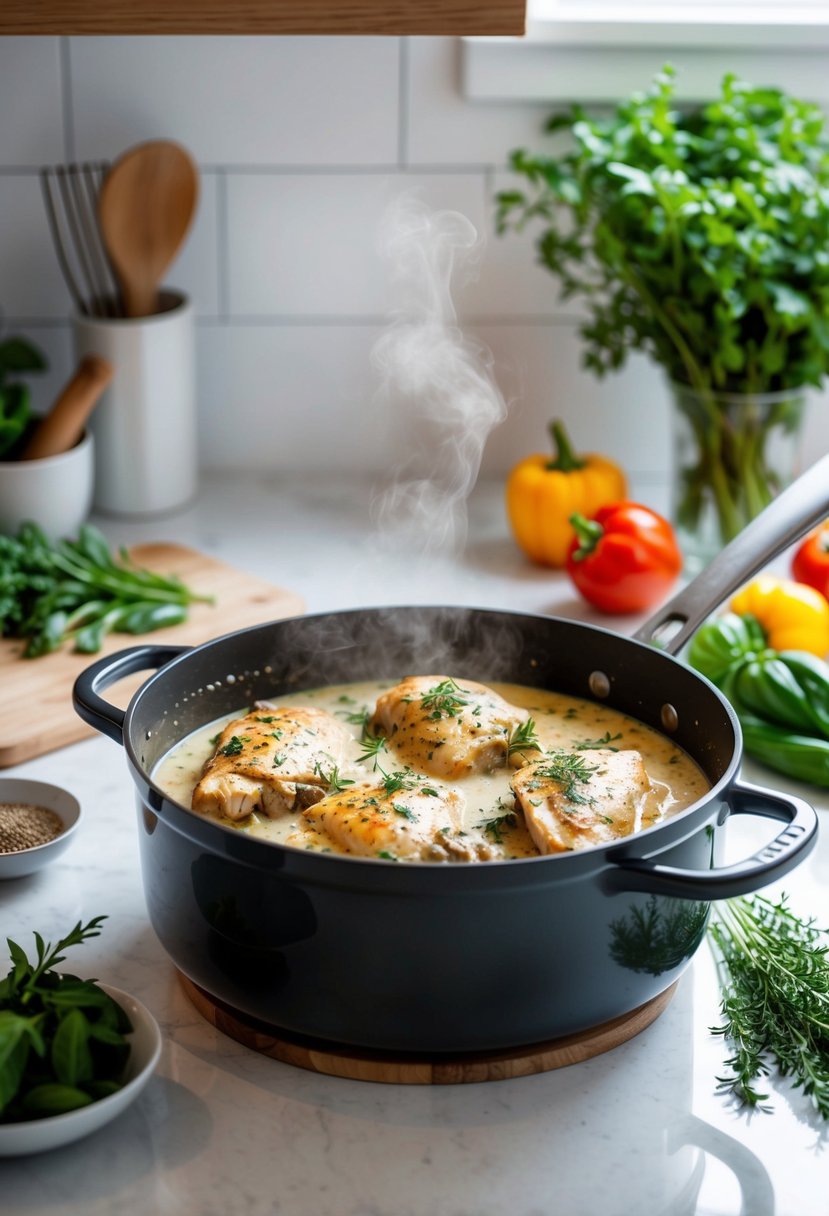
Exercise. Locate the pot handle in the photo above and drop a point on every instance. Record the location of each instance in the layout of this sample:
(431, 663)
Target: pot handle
(774, 860)
(105, 717)
(788, 517)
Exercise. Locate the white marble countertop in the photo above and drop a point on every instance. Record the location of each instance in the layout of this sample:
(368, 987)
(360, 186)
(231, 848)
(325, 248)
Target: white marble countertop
(221, 1131)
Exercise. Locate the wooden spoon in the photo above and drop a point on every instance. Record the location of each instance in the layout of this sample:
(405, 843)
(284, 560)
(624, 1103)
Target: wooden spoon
(63, 426)
(145, 208)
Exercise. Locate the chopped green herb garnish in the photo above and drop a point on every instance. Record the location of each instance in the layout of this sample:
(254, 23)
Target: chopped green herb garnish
(523, 738)
(495, 827)
(332, 779)
(606, 740)
(405, 811)
(566, 768)
(233, 747)
(444, 699)
(372, 745)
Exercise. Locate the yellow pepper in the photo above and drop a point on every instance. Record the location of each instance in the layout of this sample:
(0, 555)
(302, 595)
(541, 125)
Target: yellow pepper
(543, 492)
(793, 615)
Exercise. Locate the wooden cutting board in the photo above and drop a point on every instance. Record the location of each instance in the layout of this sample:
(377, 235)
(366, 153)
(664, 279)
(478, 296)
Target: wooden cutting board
(36, 714)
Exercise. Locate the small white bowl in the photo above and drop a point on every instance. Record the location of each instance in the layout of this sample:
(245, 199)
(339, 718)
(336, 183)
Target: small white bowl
(38, 1135)
(65, 806)
(55, 492)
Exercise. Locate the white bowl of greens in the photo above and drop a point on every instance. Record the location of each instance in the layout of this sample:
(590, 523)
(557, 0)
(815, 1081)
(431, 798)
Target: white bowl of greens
(73, 1053)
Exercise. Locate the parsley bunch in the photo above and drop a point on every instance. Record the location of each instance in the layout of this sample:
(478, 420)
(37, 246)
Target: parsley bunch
(699, 236)
(75, 590)
(62, 1039)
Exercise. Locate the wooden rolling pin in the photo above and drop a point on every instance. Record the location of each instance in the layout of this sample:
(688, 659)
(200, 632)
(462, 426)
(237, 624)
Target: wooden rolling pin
(63, 426)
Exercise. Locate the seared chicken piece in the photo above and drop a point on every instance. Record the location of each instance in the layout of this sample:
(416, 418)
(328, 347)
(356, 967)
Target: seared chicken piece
(446, 727)
(403, 818)
(574, 799)
(272, 760)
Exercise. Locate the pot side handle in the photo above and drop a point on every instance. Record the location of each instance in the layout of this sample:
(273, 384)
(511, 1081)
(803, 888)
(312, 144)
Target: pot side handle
(771, 862)
(89, 705)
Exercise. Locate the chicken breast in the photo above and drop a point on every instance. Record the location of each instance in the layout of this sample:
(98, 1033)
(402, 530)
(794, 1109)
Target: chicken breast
(574, 799)
(404, 818)
(272, 760)
(446, 727)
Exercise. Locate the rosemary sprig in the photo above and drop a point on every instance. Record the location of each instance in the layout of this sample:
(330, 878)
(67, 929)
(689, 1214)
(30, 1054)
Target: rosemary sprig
(444, 699)
(774, 975)
(606, 741)
(567, 768)
(402, 779)
(523, 738)
(372, 745)
(331, 778)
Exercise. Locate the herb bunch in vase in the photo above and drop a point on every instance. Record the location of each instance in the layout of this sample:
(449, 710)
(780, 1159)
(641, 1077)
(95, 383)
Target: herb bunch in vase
(699, 236)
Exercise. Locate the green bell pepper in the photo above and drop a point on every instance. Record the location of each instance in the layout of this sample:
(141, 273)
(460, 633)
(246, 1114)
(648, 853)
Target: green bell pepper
(780, 697)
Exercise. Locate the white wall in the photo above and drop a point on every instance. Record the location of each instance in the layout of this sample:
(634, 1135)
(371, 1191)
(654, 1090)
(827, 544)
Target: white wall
(301, 143)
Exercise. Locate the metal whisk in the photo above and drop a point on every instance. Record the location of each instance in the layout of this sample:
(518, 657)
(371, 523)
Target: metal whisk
(70, 194)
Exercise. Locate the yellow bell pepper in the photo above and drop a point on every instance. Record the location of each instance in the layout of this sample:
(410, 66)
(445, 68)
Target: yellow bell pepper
(542, 493)
(793, 616)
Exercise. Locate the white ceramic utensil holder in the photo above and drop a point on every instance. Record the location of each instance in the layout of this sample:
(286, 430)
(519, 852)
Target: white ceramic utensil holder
(146, 459)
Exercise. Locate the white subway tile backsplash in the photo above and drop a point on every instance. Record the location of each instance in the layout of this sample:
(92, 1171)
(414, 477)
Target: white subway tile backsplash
(240, 100)
(31, 111)
(538, 368)
(303, 145)
(290, 397)
(30, 280)
(196, 269)
(311, 245)
(445, 128)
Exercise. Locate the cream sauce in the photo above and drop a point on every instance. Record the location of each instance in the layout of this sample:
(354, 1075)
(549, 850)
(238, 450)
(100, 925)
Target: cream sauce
(490, 817)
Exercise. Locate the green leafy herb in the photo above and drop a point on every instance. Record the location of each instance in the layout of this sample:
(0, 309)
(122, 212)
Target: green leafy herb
(357, 717)
(774, 974)
(372, 745)
(405, 811)
(331, 778)
(700, 237)
(495, 827)
(62, 1039)
(76, 591)
(234, 745)
(17, 356)
(566, 768)
(402, 779)
(606, 741)
(444, 699)
(523, 738)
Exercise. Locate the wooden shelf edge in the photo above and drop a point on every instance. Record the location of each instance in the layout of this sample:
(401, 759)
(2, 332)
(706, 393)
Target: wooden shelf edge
(473, 18)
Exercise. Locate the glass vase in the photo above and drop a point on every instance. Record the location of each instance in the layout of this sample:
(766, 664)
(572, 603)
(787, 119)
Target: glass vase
(732, 453)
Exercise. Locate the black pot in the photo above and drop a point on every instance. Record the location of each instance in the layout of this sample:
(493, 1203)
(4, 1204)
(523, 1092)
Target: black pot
(450, 957)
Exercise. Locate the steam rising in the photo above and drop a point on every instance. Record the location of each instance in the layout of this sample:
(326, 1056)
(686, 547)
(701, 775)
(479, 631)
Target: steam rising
(436, 380)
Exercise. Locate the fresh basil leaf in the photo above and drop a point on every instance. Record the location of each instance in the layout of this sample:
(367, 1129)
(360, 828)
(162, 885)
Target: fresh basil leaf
(52, 1098)
(71, 1057)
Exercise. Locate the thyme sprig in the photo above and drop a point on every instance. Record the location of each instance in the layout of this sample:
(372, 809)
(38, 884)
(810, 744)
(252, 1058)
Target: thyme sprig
(774, 974)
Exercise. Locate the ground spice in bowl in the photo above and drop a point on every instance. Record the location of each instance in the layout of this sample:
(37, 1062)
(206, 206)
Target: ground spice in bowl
(25, 826)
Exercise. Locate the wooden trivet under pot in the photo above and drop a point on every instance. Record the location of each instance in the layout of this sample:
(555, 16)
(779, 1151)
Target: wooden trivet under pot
(410, 1069)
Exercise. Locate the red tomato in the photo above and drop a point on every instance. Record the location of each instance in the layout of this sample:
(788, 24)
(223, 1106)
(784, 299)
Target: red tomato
(624, 559)
(810, 563)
